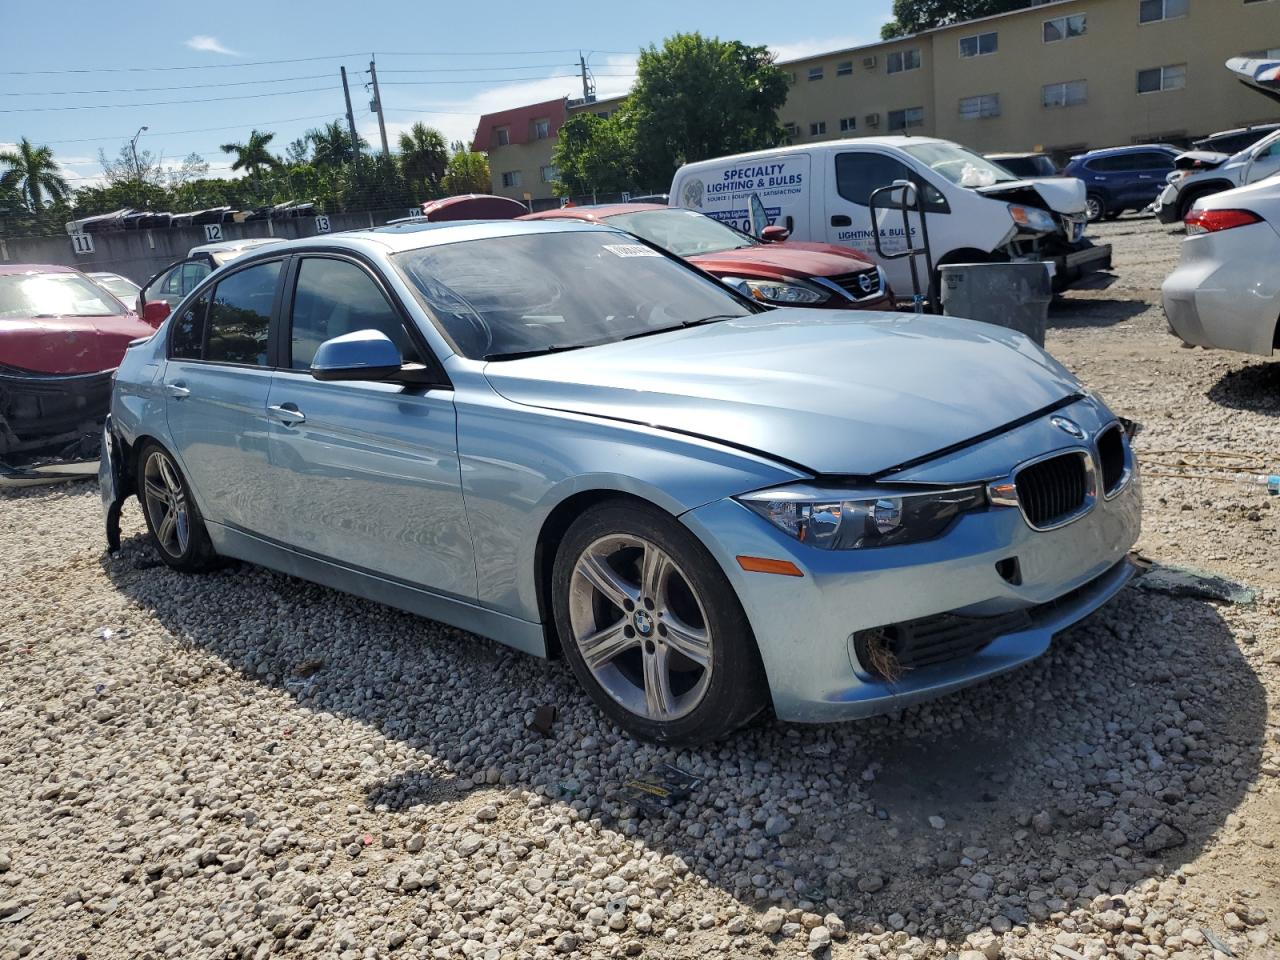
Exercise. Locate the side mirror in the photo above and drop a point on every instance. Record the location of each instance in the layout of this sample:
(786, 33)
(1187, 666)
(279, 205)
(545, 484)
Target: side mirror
(774, 233)
(154, 312)
(362, 355)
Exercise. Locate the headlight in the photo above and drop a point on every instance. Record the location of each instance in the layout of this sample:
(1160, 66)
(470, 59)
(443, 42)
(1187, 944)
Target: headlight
(775, 291)
(1032, 218)
(858, 519)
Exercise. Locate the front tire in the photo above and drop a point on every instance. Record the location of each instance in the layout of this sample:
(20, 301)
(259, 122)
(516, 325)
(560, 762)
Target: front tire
(652, 627)
(173, 519)
(1095, 207)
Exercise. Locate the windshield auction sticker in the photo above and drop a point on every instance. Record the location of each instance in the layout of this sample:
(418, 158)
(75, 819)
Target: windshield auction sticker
(631, 250)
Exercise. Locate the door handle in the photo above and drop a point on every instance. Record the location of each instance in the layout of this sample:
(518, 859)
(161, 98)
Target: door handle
(840, 220)
(177, 390)
(287, 413)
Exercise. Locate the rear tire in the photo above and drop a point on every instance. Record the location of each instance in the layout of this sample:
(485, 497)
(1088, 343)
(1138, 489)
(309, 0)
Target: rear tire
(652, 627)
(177, 529)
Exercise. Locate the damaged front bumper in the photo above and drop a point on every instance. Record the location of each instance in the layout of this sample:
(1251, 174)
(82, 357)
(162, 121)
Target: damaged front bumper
(50, 425)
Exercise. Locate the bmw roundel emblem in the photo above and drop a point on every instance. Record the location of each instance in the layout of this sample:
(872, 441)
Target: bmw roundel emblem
(1069, 426)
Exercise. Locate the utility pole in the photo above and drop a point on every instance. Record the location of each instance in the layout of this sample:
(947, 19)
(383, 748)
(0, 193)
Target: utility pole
(351, 122)
(586, 84)
(377, 101)
(133, 146)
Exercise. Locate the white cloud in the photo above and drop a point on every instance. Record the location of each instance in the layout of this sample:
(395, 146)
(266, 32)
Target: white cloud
(207, 44)
(810, 46)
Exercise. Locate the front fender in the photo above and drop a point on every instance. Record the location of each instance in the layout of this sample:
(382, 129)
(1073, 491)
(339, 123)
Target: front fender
(113, 483)
(519, 463)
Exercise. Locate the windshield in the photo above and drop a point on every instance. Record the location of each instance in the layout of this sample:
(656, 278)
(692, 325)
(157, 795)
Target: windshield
(506, 296)
(55, 295)
(122, 288)
(962, 167)
(683, 232)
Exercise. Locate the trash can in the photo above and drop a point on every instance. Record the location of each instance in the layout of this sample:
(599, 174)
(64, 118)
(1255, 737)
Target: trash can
(1013, 295)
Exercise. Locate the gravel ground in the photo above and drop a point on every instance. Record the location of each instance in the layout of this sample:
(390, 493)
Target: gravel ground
(246, 765)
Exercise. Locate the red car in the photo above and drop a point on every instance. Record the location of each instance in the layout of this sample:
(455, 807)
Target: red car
(61, 338)
(771, 269)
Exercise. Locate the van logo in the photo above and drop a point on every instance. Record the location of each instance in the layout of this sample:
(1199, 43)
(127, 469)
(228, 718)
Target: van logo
(1069, 426)
(693, 192)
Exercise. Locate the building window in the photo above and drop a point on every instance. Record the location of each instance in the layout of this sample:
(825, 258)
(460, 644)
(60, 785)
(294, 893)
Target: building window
(901, 60)
(848, 123)
(815, 73)
(1157, 79)
(511, 178)
(602, 114)
(818, 129)
(541, 129)
(504, 136)
(1272, 54)
(791, 129)
(1069, 94)
(979, 45)
(1149, 11)
(975, 108)
(905, 119)
(547, 173)
(844, 68)
(1065, 28)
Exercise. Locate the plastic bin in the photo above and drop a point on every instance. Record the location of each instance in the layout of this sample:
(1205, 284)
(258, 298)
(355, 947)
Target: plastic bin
(1013, 295)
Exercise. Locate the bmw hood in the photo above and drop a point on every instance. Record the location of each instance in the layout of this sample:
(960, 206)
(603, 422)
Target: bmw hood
(815, 388)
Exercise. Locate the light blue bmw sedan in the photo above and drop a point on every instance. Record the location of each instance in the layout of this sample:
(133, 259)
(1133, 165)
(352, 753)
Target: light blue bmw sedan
(557, 436)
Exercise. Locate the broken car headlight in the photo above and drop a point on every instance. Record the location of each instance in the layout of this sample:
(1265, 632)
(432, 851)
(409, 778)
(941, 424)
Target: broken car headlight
(1032, 218)
(775, 291)
(858, 519)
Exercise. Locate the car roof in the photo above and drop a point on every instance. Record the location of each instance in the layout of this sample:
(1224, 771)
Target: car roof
(1234, 131)
(1011, 156)
(594, 211)
(398, 237)
(243, 244)
(8, 269)
(1131, 148)
(845, 144)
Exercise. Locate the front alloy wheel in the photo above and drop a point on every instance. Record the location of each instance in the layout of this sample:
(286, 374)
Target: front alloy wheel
(166, 504)
(652, 627)
(640, 628)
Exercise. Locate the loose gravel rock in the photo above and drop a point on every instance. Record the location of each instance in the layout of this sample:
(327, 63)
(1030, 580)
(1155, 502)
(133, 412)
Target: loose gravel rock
(247, 765)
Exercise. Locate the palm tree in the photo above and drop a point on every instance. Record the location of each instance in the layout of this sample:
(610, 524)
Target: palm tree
(32, 175)
(252, 156)
(423, 157)
(331, 145)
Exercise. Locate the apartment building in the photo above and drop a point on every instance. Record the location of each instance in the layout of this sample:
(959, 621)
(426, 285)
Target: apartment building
(1059, 76)
(520, 142)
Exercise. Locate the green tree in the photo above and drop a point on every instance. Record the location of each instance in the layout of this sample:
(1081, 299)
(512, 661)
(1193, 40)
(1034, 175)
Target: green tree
(33, 175)
(252, 156)
(423, 159)
(912, 16)
(701, 97)
(467, 172)
(331, 145)
(594, 154)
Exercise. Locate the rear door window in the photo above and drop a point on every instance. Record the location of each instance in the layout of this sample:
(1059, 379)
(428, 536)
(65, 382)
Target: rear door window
(240, 315)
(193, 271)
(336, 297)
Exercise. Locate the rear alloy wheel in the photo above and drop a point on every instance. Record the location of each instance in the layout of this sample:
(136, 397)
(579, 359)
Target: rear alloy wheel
(1095, 207)
(652, 628)
(177, 529)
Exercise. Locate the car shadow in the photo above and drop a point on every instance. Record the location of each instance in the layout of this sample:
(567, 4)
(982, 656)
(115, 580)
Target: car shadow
(1255, 388)
(1079, 310)
(1112, 759)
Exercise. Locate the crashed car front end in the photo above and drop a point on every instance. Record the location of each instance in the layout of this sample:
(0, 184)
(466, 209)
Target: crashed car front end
(1047, 224)
(50, 424)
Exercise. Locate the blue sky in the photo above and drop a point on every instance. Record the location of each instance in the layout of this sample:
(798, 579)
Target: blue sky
(442, 64)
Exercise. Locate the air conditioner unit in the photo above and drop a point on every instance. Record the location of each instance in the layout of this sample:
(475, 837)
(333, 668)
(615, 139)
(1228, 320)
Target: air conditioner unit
(872, 119)
(869, 62)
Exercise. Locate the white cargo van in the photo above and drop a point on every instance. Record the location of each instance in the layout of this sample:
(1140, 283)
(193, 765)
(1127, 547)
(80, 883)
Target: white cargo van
(976, 210)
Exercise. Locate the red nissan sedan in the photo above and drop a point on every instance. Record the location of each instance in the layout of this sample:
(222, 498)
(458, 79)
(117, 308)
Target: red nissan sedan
(61, 338)
(771, 269)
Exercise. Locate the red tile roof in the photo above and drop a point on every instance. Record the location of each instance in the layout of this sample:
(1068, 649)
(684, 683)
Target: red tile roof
(519, 122)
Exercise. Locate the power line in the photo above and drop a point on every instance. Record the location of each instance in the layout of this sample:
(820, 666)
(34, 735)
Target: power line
(190, 86)
(176, 133)
(163, 103)
(554, 76)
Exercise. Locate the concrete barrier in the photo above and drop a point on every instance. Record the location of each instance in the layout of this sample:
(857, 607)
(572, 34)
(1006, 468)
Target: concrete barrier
(139, 254)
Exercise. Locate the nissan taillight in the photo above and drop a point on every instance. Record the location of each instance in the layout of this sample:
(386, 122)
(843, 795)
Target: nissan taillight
(1211, 221)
